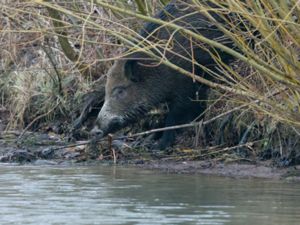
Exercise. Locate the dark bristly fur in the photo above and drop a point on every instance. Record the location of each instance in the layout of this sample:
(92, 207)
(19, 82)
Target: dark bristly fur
(133, 88)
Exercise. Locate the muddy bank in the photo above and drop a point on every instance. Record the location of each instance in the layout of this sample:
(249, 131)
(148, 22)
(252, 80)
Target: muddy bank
(234, 170)
(49, 151)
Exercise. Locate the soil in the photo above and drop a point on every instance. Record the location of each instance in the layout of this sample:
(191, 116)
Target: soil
(235, 170)
(51, 149)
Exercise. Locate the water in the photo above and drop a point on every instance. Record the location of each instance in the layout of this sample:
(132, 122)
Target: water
(116, 195)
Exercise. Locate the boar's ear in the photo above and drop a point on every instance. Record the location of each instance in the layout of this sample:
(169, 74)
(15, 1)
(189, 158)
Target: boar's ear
(131, 71)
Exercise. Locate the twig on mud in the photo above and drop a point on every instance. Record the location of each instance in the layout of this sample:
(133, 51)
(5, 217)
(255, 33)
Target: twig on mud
(73, 145)
(114, 155)
(110, 139)
(248, 145)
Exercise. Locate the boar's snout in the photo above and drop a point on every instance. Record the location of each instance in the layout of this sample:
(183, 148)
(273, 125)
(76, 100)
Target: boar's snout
(106, 125)
(96, 132)
(106, 122)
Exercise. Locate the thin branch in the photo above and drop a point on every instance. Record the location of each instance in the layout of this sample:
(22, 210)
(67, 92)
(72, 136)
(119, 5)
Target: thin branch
(68, 50)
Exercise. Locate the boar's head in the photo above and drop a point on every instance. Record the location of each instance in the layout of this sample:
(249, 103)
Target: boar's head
(133, 87)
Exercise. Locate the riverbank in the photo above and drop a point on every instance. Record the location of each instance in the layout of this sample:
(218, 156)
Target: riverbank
(50, 149)
(235, 170)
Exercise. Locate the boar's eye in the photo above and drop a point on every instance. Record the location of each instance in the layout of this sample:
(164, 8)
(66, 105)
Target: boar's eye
(119, 92)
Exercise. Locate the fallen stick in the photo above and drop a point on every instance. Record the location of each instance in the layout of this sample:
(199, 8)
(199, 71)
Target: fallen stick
(193, 124)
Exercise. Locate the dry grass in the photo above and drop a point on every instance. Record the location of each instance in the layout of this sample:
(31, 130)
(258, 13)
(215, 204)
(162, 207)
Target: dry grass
(36, 76)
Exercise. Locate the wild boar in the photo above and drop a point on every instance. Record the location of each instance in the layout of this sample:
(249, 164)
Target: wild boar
(138, 83)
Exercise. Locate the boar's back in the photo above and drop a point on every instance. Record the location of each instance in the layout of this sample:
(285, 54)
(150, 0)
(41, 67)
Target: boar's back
(190, 18)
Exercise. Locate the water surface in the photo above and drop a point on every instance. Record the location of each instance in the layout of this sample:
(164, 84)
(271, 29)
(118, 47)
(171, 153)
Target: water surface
(118, 195)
